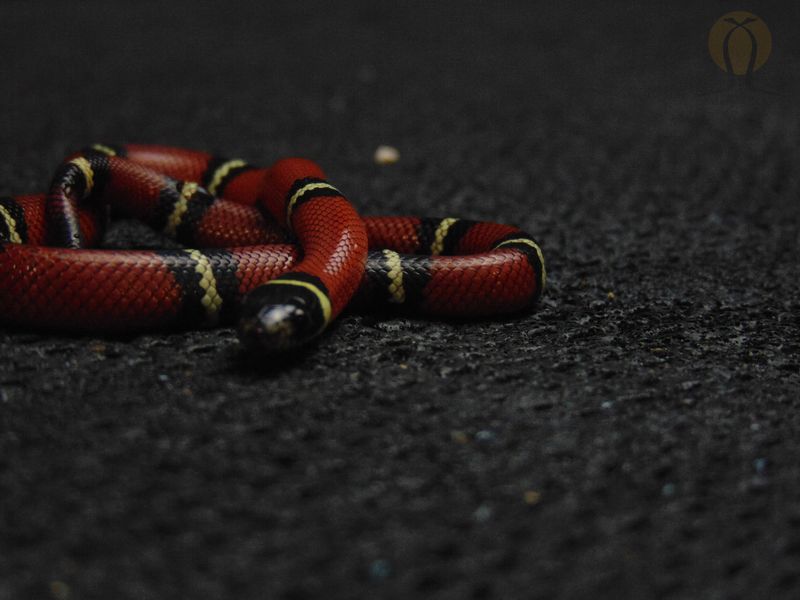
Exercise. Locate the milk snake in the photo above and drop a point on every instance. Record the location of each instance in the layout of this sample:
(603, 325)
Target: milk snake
(284, 254)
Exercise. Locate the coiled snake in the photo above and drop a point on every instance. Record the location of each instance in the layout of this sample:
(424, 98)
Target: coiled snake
(283, 251)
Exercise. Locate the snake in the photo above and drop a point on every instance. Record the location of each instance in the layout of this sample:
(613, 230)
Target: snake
(277, 250)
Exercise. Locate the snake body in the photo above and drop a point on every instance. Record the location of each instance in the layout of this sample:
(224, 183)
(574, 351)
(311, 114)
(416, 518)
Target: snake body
(283, 251)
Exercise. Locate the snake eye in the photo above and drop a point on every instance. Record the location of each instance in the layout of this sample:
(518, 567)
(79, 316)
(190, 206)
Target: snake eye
(274, 321)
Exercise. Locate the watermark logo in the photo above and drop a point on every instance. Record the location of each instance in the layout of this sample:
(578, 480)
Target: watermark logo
(740, 43)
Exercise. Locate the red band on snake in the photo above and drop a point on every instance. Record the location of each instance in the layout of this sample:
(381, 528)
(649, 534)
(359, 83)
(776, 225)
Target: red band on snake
(283, 251)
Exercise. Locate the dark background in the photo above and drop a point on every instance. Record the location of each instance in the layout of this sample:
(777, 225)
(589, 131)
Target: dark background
(648, 407)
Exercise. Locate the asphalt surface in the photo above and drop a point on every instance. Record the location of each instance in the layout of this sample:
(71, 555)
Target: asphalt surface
(636, 436)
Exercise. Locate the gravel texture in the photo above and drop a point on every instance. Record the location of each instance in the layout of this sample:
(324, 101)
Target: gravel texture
(636, 436)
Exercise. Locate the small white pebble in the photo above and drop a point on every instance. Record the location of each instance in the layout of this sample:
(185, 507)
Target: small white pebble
(482, 514)
(459, 437)
(484, 435)
(60, 590)
(386, 155)
(531, 497)
(380, 569)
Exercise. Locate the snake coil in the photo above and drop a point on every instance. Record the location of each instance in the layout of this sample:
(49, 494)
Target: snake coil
(283, 251)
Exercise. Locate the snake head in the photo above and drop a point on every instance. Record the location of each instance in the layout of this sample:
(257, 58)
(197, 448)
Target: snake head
(277, 318)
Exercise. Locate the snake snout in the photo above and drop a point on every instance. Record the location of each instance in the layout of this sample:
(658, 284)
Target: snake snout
(274, 322)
